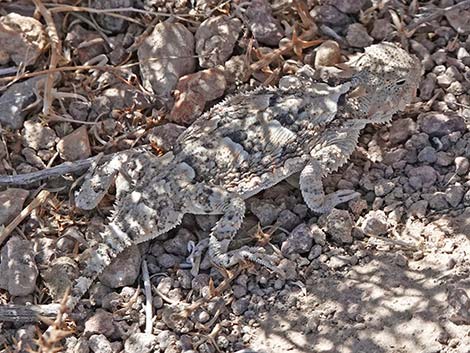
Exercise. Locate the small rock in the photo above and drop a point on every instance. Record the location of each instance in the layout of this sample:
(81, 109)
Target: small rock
(438, 124)
(381, 29)
(425, 174)
(75, 146)
(165, 136)
(265, 211)
(111, 23)
(166, 55)
(215, 39)
(22, 38)
(300, 240)
(77, 35)
(194, 91)
(462, 165)
(348, 6)
(11, 204)
(383, 188)
(100, 323)
(99, 344)
(336, 262)
(427, 155)
(123, 270)
(401, 130)
(454, 194)
(38, 136)
(338, 224)
(459, 20)
(330, 15)
(18, 267)
(140, 343)
(438, 201)
(178, 244)
(328, 54)
(239, 306)
(358, 37)
(459, 303)
(265, 28)
(15, 99)
(375, 223)
(318, 235)
(236, 69)
(418, 209)
(168, 260)
(287, 219)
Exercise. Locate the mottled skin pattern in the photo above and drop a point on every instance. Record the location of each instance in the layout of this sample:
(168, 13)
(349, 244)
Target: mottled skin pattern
(246, 144)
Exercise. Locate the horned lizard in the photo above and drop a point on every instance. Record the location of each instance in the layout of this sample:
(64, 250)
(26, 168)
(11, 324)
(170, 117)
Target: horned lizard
(248, 143)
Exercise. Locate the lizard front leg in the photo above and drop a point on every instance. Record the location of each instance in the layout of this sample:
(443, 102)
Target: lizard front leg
(214, 200)
(311, 187)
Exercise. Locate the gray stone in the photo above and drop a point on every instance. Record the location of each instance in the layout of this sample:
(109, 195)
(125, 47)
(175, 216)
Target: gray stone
(459, 303)
(140, 343)
(165, 56)
(438, 201)
(100, 323)
(338, 224)
(384, 187)
(22, 38)
(401, 130)
(99, 344)
(462, 165)
(215, 39)
(265, 211)
(300, 240)
(75, 146)
(18, 267)
(164, 136)
(438, 124)
(14, 101)
(11, 204)
(265, 28)
(178, 244)
(375, 223)
(123, 270)
(358, 37)
(454, 194)
(111, 23)
(427, 155)
(426, 175)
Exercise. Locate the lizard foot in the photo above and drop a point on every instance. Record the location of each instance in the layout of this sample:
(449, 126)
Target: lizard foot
(336, 198)
(246, 253)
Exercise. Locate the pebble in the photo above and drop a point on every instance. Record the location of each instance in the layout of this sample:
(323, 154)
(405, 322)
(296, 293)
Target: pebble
(418, 209)
(111, 23)
(427, 155)
(357, 36)
(100, 323)
(22, 38)
(438, 201)
(338, 224)
(239, 306)
(168, 260)
(375, 223)
(348, 6)
(459, 20)
(462, 165)
(165, 136)
(11, 204)
(38, 136)
(300, 240)
(401, 130)
(439, 124)
(383, 187)
(99, 344)
(77, 35)
(318, 235)
(330, 15)
(192, 93)
(18, 267)
(328, 54)
(124, 269)
(454, 194)
(75, 146)
(381, 29)
(58, 276)
(177, 245)
(265, 28)
(426, 176)
(265, 211)
(287, 220)
(215, 40)
(174, 44)
(459, 304)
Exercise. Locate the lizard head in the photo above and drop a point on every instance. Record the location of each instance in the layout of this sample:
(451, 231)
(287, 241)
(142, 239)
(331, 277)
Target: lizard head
(386, 79)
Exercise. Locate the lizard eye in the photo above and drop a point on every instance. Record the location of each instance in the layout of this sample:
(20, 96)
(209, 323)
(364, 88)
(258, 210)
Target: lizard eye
(400, 82)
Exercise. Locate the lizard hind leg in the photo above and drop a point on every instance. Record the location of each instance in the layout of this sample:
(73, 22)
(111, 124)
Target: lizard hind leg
(232, 208)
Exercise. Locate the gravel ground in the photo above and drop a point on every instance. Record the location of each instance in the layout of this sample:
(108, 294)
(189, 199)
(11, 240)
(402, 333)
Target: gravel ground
(388, 272)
